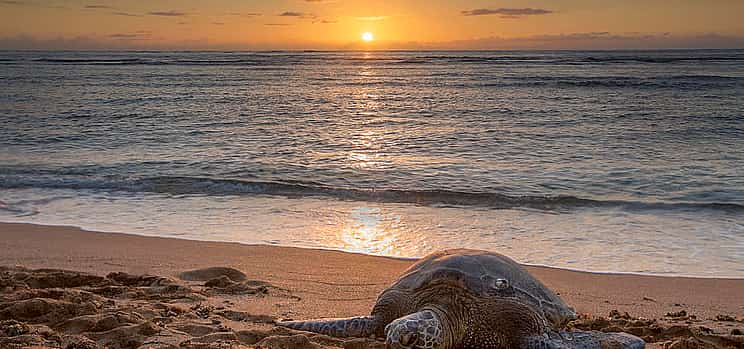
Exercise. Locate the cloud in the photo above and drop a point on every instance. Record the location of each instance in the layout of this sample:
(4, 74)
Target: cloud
(171, 13)
(371, 18)
(218, 23)
(277, 24)
(139, 35)
(507, 12)
(240, 14)
(31, 3)
(329, 21)
(302, 15)
(98, 7)
(127, 14)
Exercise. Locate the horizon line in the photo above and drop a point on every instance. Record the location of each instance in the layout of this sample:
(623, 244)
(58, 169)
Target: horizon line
(386, 50)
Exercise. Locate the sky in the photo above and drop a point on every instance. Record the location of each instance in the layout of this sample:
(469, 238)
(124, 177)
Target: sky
(398, 24)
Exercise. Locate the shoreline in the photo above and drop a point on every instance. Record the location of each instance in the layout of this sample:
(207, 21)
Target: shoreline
(320, 248)
(40, 246)
(144, 275)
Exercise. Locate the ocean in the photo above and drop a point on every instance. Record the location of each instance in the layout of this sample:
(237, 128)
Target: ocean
(607, 161)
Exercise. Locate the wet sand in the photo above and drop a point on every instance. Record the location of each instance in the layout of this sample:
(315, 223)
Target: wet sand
(127, 291)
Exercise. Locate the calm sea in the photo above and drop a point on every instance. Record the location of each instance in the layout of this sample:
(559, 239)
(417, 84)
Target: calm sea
(629, 161)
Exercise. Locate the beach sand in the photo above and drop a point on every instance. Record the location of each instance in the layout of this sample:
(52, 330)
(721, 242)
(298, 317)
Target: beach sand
(128, 291)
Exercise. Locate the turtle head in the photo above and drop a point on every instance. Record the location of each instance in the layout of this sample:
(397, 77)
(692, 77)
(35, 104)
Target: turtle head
(422, 330)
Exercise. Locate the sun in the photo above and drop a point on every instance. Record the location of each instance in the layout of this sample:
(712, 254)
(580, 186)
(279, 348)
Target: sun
(368, 37)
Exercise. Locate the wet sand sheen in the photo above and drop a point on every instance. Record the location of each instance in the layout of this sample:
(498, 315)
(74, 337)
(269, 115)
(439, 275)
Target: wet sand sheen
(303, 283)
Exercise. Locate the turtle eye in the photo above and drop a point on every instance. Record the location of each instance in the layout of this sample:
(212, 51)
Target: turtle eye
(501, 284)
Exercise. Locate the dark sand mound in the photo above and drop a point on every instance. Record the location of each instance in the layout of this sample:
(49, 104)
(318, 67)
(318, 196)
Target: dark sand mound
(212, 273)
(225, 285)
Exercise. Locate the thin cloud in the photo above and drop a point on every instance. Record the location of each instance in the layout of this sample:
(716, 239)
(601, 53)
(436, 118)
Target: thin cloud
(277, 24)
(98, 7)
(171, 13)
(139, 35)
(593, 36)
(240, 14)
(30, 3)
(218, 23)
(507, 12)
(298, 15)
(329, 21)
(126, 14)
(124, 36)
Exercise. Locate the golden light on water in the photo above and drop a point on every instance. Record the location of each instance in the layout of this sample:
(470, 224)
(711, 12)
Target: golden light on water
(366, 232)
(368, 37)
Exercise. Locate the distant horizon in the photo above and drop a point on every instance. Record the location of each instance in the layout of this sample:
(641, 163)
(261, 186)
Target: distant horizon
(559, 42)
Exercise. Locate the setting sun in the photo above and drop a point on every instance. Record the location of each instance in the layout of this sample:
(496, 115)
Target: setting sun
(367, 37)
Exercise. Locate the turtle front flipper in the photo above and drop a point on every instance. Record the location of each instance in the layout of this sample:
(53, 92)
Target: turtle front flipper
(584, 340)
(363, 326)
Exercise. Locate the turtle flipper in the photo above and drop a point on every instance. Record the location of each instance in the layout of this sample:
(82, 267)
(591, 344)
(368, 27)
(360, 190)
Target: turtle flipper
(363, 326)
(584, 340)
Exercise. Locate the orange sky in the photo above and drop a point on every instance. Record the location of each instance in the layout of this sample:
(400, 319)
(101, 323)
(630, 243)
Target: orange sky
(338, 24)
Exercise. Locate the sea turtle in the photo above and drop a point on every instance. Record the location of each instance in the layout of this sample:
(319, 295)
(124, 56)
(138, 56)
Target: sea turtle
(469, 299)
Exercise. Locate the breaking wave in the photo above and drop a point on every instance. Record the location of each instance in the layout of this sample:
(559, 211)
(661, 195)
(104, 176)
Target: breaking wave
(208, 186)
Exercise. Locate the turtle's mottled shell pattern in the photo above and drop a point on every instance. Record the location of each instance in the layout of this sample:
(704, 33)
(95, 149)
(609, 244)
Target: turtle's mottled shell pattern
(486, 275)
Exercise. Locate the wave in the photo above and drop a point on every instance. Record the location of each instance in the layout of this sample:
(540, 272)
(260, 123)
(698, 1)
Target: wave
(153, 61)
(444, 198)
(583, 59)
(16, 210)
(673, 81)
(646, 59)
(113, 61)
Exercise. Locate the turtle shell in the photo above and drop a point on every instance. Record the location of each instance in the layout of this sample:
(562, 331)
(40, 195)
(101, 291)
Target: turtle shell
(487, 275)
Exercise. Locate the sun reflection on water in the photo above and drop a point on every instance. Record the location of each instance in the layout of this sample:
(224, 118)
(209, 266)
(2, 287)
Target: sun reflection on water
(364, 232)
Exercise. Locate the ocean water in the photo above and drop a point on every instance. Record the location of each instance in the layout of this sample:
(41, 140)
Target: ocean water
(625, 161)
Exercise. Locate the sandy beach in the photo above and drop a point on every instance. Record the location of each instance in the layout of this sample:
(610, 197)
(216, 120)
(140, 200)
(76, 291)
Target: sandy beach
(128, 291)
